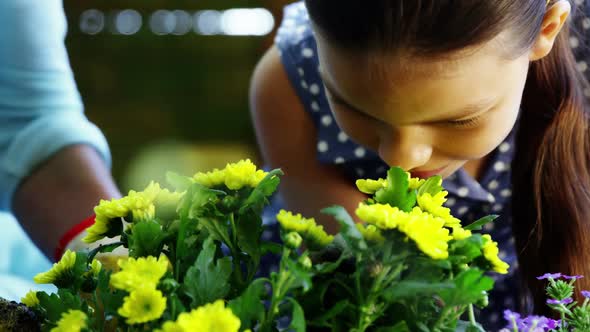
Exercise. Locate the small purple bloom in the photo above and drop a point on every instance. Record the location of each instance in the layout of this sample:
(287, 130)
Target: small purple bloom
(586, 294)
(552, 323)
(550, 276)
(572, 277)
(564, 301)
(510, 315)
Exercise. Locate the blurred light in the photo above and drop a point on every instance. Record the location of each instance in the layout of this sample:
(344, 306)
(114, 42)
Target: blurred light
(162, 22)
(92, 21)
(247, 22)
(207, 22)
(127, 22)
(184, 22)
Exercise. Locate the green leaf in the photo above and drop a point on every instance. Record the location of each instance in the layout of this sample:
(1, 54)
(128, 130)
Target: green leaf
(431, 186)
(249, 229)
(335, 310)
(146, 239)
(179, 182)
(348, 230)
(478, 224)
(469, 288)
(248, 307)
(399, 327)
(397, 192)
(463, 326)
(258, 197)
(298, 317)
(207, 280)
(56, 304)
(111, 299)
(302, 275)
(414, 289)
(466, 250)
(270, 247)
(199, 197)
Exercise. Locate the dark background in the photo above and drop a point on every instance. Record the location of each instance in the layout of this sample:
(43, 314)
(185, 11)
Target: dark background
(166, 101)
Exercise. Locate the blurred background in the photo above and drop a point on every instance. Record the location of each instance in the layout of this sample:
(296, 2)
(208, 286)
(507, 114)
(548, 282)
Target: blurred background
(167, 81)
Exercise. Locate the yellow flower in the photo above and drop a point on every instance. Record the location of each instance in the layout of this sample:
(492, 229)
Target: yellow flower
(490, 252)
(95, 267)
(60, 270)
(459, 233)
(212, 317)
(426, 230)
(72, 321)
(138, 204)
(370, 233)
(434, 205)
(30, 299)
(234, 176)
(294, 223)
(143, 305)
(139, 273)
(314, 235)
(369, 186)
(415, 183)
(384, 216)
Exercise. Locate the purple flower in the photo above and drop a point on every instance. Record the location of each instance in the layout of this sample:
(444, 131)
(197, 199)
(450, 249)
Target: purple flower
(564, 301)
(586, 294)
(572, 277)
(540, 323)
(552, 324)
(510, 315)
(550, 276)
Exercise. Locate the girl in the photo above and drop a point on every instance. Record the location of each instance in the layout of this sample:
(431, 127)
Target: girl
(487, 94)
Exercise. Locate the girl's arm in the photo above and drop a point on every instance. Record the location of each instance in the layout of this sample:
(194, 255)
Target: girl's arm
(287, 139)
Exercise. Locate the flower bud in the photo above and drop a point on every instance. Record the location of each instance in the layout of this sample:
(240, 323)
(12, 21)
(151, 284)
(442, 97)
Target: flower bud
(293, 240)
(305, 262)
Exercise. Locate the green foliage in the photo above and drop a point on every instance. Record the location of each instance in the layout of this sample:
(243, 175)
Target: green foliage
(209, 241)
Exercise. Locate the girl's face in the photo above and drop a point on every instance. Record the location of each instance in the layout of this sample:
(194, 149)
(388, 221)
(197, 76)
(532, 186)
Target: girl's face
(426, 116)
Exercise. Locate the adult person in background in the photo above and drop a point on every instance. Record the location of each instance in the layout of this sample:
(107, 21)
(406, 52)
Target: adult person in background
(54, 163)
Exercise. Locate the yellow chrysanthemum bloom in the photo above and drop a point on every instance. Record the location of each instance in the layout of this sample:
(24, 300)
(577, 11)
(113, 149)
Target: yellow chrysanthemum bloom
(138, 204)
(294, 222)
(415, 183)
(369, 186)
(30, 299)
(434, 205)
(212, 317)
(71, 321)
(384, 216)
(143, 305)
(459, 233)
(59, 270)
(139, 273)
(428, 232)
(313, 234)
(316, 237)
(490, 252)
(370, 233)
(234, 176)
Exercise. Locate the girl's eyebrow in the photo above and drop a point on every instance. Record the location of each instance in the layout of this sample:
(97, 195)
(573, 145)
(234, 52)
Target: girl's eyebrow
(465, 111)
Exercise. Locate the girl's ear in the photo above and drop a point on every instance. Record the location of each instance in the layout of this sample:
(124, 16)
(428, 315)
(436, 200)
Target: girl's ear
(554, 20)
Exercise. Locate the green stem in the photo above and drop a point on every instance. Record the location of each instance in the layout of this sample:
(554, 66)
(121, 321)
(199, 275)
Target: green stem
(472, 315)
(279, 289)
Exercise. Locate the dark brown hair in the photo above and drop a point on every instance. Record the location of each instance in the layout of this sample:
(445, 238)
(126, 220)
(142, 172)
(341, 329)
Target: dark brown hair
(551, 170)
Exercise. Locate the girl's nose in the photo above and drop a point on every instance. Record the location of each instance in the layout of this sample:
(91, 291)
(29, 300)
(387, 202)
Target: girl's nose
(408, 147)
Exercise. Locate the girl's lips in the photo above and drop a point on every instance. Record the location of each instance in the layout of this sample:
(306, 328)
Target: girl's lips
(426, 174)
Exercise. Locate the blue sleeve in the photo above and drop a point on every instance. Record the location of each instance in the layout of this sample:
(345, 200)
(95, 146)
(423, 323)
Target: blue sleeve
(41, 110)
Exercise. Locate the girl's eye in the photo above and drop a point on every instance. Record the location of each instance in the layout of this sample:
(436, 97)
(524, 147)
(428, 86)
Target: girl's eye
(466, 123)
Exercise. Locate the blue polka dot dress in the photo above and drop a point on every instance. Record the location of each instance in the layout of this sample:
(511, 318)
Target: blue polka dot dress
(468, 199)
